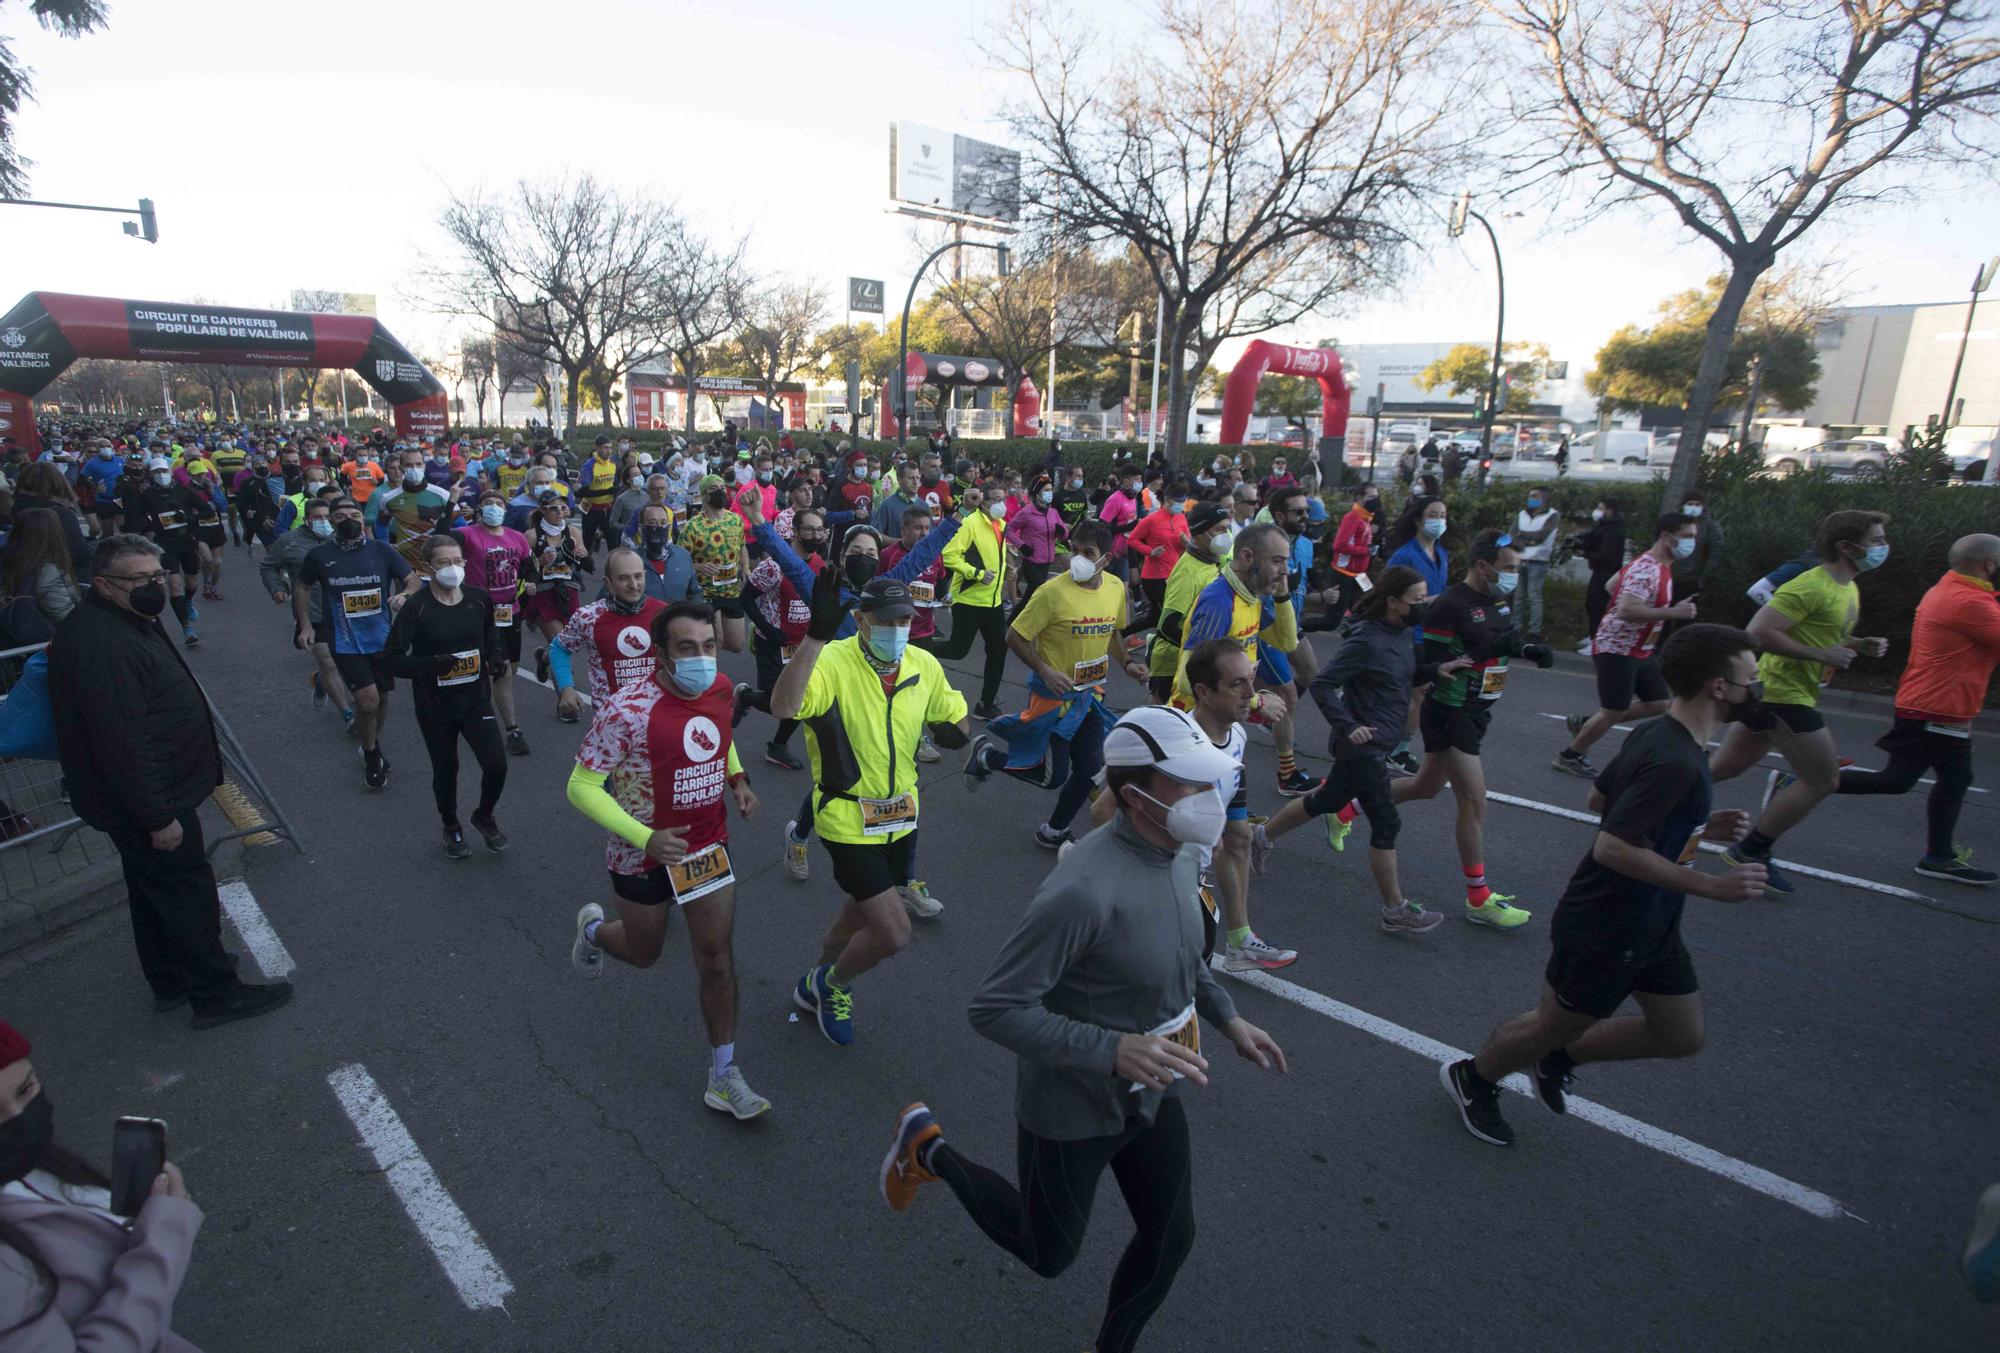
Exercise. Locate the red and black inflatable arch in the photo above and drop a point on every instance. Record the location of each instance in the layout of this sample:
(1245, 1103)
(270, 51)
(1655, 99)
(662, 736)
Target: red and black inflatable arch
(1239, 393)
(48, 330)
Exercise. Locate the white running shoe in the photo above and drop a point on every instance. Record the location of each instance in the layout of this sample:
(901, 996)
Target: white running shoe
(1410, 919)
(584, 956)
(1255, 956)
(917, 899)
(729, 1093)
(927, 750)
(1260, 849)
(797, 863)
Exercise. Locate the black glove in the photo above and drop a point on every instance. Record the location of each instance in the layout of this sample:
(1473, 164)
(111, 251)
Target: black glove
(443, 662)
(828, 609)
(947, 735)
(1539, 654)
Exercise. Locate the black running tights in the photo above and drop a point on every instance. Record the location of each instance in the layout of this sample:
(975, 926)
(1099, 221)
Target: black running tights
(1042, 1223)
(442, 727)
(970, 622)
(1954, 776)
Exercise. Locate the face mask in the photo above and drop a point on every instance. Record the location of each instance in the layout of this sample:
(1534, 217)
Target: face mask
(517, 461)
(1218, 545)
(887, 642)
(1373, 507)
(1176, 509)
(25, 1136)
(148, 599)
(1534, 505)
(635, 480)
(860, 569)
(624, 607)
(321, 528)
(763, 476)
(107, 455)
(1075, 484)
(450, 575)
(1196, 820)
(1082, 569)
(1597, 514)
(1683, 546)
(1751, 711)
(1045, 497)
(1691, 509)
(860, 472)
(1872, 557)
(717, 499)
(163, 476)
(551, 528)
(349, 529)
(1417, 614)
(1434, 527)
(810, 543)
(694, 675)
(996, 510)
(1504, 583)
(656, 540)
(492, 514)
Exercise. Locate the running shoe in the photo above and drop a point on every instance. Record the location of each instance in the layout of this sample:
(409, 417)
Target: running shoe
(729, 1093)
(832, 1006)
(779, 755)
(194, 613)
(319, 692)
(565, 715)
(740, 703)
(1958, 869)
(1575, 722)
(1575, 763)
(927, 750)
(374, 770)
(1297, 784)
(1982, 1248)
(1776, 882)
(983, 710)
(977, 772)
(517, 742)
(1254, 955)
(1583, 647)
(1773, 782)
(188, 636)
(1478, 1110)
(1499, 912)
(1048, 838)
(490, 833)
(542, 665)
(1336, 831)
(454, 844)
(1062, 851)
(347, 721)
(1260, 849)
(797, 863)
(902, 1168)
(1403, 763)
(1550, 1084)
(584, 956)
(917, 899)
(1410, 919)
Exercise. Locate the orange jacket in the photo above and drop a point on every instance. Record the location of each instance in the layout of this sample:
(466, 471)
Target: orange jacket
(1954, 645)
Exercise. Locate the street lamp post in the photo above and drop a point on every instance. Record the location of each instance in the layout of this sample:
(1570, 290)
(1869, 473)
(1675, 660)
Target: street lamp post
(1980, 281)
(1459, 212)
(903, 340)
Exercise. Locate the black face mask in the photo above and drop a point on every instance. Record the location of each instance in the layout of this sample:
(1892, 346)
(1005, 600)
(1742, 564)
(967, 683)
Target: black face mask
(148, 599)
(656, 540)
(347, 529)
(1751, 711)
(1417, 614)
(811, 544)
(25, 1137)
(717, 499)
(860, 569)
(1373, 507)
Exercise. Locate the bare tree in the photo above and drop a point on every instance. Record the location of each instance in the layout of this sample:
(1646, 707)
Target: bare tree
(1751, 121)
(786, 333)
(1262, 159)
(699, 296)
(476, 361)
(512, 365)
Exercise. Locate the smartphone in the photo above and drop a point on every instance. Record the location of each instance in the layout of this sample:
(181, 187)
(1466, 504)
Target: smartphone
(138, 1150)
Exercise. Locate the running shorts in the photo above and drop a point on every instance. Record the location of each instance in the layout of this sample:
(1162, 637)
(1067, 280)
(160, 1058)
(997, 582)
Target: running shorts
(1621, 677)
(1452, 727)
(1799, 718)
(654, 888)
(1595, 981)
(1363, 778)
(557, 605)
(364, 669)
(181, 554)
(864, 871)
(215, 537)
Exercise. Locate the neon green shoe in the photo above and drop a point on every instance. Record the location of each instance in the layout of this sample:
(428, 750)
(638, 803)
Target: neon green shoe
(1336, 832)
(1499, 912)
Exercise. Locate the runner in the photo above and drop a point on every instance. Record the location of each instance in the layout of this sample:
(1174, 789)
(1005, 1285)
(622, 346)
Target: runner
(1353, 544)
(1275, 666)
(1097, 994)
(496, 558)
(1637, 608)
(556, 556)
(977, 559)
(211, 531)
(1472, 619)
(785, 612)
(1805, 628)
(1365, 695)
(1617, 929)
(1202, 552)
(355, 577)
(404, 514)
(652, 771)
(1071, 633)
(444, 642)
(165, 513)
(865, 702)
(1954, 646)
(614, 634)
(930, 589)
(279, 571)
(714, 537)
(597, 485)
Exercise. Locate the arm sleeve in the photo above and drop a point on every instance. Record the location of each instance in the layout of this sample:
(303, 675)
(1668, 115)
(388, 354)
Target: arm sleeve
(587, 794)
(560, 667)
(732, 766)
(1056, 929)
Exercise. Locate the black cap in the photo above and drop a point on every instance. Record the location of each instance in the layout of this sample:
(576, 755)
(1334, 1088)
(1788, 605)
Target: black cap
(886, 599)
(603, 440)
(548, 496)
(1205, 517)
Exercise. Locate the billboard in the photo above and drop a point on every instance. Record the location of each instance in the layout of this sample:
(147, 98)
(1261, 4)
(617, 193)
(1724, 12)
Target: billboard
(865, 294)
(930, 167)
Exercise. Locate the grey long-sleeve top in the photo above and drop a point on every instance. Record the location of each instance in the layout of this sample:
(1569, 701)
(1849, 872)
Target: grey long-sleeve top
(1110, 945)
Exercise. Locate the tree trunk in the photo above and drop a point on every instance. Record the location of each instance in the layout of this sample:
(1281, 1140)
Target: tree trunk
(1745, 269)
(686, 359)
(572, 397)
(500, 418)
(1180, 389)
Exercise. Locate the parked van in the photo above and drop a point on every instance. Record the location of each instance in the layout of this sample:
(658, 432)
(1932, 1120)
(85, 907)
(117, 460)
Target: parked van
(1616, 446)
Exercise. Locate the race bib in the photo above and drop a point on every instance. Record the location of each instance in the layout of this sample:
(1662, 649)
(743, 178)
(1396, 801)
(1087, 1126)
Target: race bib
(1690, 850)
(503, 613)
(172, 521)
(785, 652)
(1183, 1029)
(883, 817)
(923, 594)
(558, 573)
(1951, 730)
(1362, 581)
(1492, 681)
(464, 669)
(359, 605)
(725, 577)
(1092, 673)
(701, 873)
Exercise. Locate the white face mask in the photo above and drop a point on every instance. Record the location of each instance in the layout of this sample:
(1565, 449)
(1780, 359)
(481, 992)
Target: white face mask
(1219, 544)
(1197, 820)
(451, 575)
(996, 510)
(1081, 569)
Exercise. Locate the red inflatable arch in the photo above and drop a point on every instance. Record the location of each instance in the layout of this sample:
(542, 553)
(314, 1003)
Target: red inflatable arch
(1239, 395)
(48, 330)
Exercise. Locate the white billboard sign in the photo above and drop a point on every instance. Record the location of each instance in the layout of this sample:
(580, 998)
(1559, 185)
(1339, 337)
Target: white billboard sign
(931, 167)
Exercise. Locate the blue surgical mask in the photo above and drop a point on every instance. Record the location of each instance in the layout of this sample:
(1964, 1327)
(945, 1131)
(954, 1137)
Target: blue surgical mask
(1434, 527)
(1504, 583)
(694, 675)
(1872, 557)
(1683, 546)
(886, 642)
(492, 514)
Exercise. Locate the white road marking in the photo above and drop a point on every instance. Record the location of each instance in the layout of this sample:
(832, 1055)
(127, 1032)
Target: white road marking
(1750, 1176)
(255, 929)
(1772, 757)
(464, 1257)
(1869, 885)
(526, 675)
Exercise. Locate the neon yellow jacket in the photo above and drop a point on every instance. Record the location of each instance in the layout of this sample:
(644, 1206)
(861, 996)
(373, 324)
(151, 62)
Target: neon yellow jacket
(980, 544)
(862, 738)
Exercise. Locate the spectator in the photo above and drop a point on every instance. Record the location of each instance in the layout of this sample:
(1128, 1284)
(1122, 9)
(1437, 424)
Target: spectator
(139, 751)
(1534, 536)
(36, 577)
(1603, 548)
(72, 1276)
(1692, 572)
(43, 486)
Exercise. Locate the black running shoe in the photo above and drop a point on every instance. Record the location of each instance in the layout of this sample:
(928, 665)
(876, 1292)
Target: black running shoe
(1296, 785)
(542, 665)
(517, 743)
(489, 832)
(982, 710)
(1574, 763)
(1479, 1111)
(1575, 722)
(740, 703)
(1403, 764)
(779, 755)
(454, 844)
(374, 770)
(1550, 1084)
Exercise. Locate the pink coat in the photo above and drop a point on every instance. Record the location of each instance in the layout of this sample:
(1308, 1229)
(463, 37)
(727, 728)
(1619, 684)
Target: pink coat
(114, 1289)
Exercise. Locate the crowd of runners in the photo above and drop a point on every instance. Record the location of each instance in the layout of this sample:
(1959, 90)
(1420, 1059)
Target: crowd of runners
(1157, 615)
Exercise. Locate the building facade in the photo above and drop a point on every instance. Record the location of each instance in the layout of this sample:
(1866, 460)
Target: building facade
(1888, 367)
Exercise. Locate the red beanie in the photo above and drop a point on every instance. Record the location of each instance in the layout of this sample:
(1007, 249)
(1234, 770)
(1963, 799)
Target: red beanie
(13, 1047)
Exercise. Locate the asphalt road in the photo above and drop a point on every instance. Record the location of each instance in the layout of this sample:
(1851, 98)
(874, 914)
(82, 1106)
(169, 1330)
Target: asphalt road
(578, 1194)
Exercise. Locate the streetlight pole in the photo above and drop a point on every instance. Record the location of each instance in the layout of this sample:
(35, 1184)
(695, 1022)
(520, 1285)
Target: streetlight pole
(1459, 212)
(1982, 280)
(903, 339)
(147, 227)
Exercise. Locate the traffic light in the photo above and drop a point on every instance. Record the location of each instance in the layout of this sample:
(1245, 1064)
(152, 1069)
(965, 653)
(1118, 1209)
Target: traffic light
(148, 228)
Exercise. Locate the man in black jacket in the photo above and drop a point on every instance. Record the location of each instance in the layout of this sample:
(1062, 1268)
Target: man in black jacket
(139, 752)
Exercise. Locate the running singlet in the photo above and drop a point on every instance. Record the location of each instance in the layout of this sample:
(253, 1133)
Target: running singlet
(412, 514)
(600, 481)
(618, 647)
(1459, 622)
(1071, 626)
(666, 758)
(509, 478)
(717, 540)
(494, 563)
(355, 587)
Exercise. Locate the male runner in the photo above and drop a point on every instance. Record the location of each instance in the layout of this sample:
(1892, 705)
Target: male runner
(865, 702)
(597, 485)
(1617, 929)
(1287, 511)
(714, 537)
(165, 513)
(662, 742)
(1806, 627)
(929, 589)
(279, 571)
(1954, 646)
(496, 556)
(978, 560)
(356, 579)
(1472, 619)
(785, 612)
(614, 635)
(1071, 633)
(1202, 554)
(1097, 993)
(1637, 606)
(408, 511)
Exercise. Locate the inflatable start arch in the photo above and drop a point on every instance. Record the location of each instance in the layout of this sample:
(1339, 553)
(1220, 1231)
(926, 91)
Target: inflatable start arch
(1239, 396)
(48, 330)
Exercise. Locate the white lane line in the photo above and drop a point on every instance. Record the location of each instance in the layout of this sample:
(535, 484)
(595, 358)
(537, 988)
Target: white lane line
(255, 929)
(1868, 885)
(463, 1256)
(1772, 757)
(526, 675)
(1750, 1176)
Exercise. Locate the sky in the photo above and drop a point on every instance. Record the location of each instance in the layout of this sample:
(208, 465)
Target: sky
(313, 146)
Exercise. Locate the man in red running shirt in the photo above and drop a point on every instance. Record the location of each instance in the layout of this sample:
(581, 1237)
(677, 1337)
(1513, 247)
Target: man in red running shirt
(613, 634)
